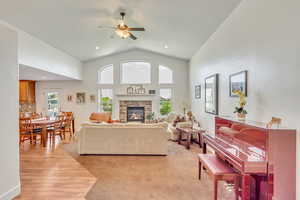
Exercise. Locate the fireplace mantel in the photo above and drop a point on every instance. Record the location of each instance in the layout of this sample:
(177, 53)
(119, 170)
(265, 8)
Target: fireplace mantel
(136, 97)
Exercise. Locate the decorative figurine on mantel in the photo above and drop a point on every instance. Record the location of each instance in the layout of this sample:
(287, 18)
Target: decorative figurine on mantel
(241, 112)
(136, 89)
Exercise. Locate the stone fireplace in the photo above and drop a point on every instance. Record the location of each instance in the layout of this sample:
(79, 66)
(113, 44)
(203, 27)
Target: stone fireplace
(134, 110)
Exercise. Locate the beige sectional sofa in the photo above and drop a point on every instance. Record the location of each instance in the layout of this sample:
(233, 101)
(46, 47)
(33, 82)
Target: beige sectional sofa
(123, 139)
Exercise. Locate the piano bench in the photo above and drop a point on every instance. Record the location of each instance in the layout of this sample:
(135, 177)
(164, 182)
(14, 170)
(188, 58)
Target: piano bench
(218, 169)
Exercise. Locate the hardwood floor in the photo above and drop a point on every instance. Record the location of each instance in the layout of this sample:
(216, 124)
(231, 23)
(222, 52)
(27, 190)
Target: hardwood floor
(52, 174)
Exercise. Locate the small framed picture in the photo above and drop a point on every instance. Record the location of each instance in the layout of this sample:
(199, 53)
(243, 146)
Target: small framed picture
(80, 98)
(198, 92)
(238, 81)
(93, 98)
(70, 98)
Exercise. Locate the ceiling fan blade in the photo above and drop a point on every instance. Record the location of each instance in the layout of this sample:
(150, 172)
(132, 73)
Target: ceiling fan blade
(136, 29)
(132, 36)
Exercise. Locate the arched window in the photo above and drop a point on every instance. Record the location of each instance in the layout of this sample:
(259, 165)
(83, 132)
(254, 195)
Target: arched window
(165, 75)
(136, 73)
(106, 75)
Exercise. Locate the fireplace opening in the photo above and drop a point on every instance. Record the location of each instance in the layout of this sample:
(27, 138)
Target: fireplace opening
(136, 114)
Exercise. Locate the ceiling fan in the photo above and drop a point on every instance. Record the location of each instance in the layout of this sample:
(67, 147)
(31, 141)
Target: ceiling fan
(122, 30)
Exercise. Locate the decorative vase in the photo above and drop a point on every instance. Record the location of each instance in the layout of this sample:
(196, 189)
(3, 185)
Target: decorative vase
(241, 116)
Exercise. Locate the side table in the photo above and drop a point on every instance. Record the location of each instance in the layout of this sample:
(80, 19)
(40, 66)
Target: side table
(189, 131)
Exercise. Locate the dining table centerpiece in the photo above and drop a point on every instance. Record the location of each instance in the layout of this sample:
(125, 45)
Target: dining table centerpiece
(240, 109)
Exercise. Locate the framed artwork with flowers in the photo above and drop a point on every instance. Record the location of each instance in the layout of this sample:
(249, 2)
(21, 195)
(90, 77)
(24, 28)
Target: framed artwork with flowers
(238, 82)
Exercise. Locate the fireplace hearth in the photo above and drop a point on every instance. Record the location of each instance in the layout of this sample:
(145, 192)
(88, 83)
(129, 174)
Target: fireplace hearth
(136, 114)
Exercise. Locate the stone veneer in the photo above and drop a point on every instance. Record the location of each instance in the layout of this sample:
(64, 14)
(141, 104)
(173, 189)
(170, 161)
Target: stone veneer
(27, 107)
(124, 104)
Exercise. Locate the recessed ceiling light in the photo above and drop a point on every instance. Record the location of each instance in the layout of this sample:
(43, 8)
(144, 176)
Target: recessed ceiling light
(44, 77)
(166, 46)
(97, 48)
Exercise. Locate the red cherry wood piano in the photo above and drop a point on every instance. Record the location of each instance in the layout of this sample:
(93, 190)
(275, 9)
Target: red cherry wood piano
(264, 157)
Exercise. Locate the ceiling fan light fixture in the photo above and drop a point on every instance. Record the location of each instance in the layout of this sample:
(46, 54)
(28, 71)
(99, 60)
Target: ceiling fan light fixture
(122, 33)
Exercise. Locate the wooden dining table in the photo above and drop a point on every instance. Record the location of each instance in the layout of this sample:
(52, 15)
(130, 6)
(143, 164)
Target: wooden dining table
(44, 123)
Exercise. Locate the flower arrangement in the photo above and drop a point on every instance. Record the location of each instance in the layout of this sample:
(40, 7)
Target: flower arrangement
(241, 112)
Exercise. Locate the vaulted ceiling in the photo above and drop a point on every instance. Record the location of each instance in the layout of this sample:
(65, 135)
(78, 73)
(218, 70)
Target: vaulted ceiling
(71, 25)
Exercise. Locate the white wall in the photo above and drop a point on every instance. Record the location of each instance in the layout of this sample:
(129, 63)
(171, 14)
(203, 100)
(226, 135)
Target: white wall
(35, 53)
(263, 38)
(90, 86)
(9, 146)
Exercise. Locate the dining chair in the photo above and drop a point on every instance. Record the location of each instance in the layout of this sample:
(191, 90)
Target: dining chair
(36, 115)
(25, 130)
(68, 125)
(57, 129)
(28, 131)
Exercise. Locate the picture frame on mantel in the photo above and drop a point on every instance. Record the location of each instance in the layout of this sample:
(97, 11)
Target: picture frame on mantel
(198, 92)
(212, 94)
(238, 81)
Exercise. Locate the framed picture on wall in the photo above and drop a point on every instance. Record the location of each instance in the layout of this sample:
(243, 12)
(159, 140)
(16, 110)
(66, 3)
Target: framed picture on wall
(70, 98)
(198, 92)
(93, 98)
(80, 97)
(238, 81)
(211, 94)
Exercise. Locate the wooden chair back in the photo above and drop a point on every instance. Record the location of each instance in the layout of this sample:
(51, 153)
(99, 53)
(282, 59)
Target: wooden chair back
(61, 121)
(36, 116)
(25, 125)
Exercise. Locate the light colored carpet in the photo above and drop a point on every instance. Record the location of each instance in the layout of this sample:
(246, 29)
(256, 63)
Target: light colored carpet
(172, 177)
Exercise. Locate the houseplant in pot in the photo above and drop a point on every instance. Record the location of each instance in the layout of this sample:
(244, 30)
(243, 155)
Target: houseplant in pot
(240, 109)
(150, 117)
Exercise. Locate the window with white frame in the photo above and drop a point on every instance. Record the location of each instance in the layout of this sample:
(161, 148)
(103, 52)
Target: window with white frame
(136, 73)
(165, 75)
(105, 100)
(165, 101)
(106, 75)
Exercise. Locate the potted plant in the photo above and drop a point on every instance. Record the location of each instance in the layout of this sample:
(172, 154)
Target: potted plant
(240, 110)
(150, 117)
